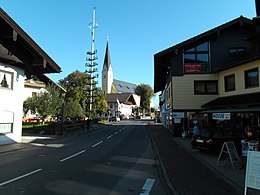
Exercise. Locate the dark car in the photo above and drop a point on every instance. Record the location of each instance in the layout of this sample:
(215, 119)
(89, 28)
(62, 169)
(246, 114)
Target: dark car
(114, 119)
(157, 119)
(213, 139)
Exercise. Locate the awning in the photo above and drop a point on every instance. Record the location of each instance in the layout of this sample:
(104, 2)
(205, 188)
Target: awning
(231, 110)
(244, 101)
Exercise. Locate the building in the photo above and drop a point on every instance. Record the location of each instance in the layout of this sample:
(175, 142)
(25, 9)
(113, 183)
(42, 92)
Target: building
(111, 85)
(203, 75)
(20, 57)
(121, 104)
(119, 94)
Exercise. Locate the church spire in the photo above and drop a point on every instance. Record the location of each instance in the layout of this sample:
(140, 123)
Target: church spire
(107, 61)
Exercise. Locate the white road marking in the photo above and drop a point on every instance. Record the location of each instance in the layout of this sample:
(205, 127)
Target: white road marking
(147, 186)
(109, 136)
(20, 177)
(97, 144)
(72, 156)
(115, 133)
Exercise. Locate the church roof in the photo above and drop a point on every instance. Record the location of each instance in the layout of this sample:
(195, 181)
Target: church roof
(124, 87)
(107, 61)
(126, 98)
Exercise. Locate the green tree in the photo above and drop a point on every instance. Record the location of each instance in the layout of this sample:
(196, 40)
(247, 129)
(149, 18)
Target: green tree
(72, 110)
(45, 103)
(145, 91)
(76, 87)
(100, 103)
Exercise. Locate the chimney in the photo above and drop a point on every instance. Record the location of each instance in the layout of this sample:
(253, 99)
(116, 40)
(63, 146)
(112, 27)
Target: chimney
(257, 7)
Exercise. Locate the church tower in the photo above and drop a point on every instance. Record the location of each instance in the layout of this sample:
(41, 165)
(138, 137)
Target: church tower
(107, 73)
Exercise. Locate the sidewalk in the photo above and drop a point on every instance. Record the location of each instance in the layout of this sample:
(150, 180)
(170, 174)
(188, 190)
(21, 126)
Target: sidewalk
(191, 171)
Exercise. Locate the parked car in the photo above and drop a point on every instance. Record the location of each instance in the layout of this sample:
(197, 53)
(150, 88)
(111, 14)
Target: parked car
(213, 139)
(114, 119)
(157, 119)
(138, 117)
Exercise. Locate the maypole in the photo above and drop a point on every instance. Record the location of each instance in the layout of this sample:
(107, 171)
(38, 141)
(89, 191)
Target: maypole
(91, 70)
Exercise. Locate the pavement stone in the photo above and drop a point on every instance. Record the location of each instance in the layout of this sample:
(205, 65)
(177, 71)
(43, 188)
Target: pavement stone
(191, 171)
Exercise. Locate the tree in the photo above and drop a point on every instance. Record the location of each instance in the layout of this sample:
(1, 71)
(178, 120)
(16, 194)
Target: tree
(45, 103)
(146, 93)
(76, 87)
(100, 103)
(72, 109)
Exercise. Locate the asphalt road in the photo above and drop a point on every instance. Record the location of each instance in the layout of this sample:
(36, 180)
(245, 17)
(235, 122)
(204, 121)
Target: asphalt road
(116, 159)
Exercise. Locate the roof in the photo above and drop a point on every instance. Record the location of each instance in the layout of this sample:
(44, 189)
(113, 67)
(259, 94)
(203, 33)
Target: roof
(126, 98)
(162, 59)
(239, 61)
(23, 47)
(107, 61)
(124, 87)
(244, 100)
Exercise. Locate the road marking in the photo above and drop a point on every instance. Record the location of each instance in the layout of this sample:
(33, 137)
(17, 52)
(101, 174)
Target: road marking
(109, 136)
(115, 133)
(20, 177)
(72, 156)
(147, 186)
(97, 144)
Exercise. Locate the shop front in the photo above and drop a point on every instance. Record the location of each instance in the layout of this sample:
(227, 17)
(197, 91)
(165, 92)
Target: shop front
(236, 116)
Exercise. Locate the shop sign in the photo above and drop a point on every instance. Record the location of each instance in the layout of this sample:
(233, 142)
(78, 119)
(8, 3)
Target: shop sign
(178, 114)
(252, 178)
(177, 121)
(221, 116)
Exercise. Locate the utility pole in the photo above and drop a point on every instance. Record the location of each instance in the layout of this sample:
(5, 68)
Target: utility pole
(91, 70)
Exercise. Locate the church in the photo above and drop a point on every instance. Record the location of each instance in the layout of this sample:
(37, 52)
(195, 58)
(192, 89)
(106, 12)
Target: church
(120, 95)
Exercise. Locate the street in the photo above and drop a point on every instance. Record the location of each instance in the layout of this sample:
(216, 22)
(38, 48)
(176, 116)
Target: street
(115, 159)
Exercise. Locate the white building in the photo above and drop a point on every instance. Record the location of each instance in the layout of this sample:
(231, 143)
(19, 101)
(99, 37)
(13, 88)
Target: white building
(20, 57)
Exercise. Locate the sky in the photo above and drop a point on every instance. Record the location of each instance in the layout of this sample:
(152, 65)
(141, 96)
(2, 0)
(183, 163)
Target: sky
(136, 30)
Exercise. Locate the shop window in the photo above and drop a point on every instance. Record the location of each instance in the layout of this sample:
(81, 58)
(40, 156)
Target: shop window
(196, 59)
(205, 87)
(230, 83)
(6, 79)
(251, 78)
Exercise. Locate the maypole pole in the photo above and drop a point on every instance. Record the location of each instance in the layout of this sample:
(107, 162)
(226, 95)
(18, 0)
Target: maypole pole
(91, 62)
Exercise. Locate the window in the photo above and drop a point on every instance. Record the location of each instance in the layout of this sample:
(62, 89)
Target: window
(251, 78)
(230, 83)
(6, 79)
(205, 87)
(196, 59)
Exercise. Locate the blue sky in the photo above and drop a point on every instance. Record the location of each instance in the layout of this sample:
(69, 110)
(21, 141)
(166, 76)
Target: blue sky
(137, 29)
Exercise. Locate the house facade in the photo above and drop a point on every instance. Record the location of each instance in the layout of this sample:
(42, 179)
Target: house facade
(121, 104)
(194, 73)
(20, 58)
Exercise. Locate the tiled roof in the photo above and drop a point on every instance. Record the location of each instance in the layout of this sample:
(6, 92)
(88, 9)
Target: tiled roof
(122, 97)
(124, 87)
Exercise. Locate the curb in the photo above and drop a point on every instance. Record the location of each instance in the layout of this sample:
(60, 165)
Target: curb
(163, 168)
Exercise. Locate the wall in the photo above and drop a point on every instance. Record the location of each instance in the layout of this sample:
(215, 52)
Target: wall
(12, 102)
(239, 79)
(183, 91)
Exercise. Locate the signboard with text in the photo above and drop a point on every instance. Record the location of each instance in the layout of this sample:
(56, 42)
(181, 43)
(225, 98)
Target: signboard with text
(252, 178)
(221, 116)
(178, 114)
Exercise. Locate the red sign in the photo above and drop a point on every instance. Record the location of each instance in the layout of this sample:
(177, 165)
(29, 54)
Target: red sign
(192, 68)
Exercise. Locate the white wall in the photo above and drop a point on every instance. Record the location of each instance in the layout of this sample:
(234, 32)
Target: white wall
(12, 102)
